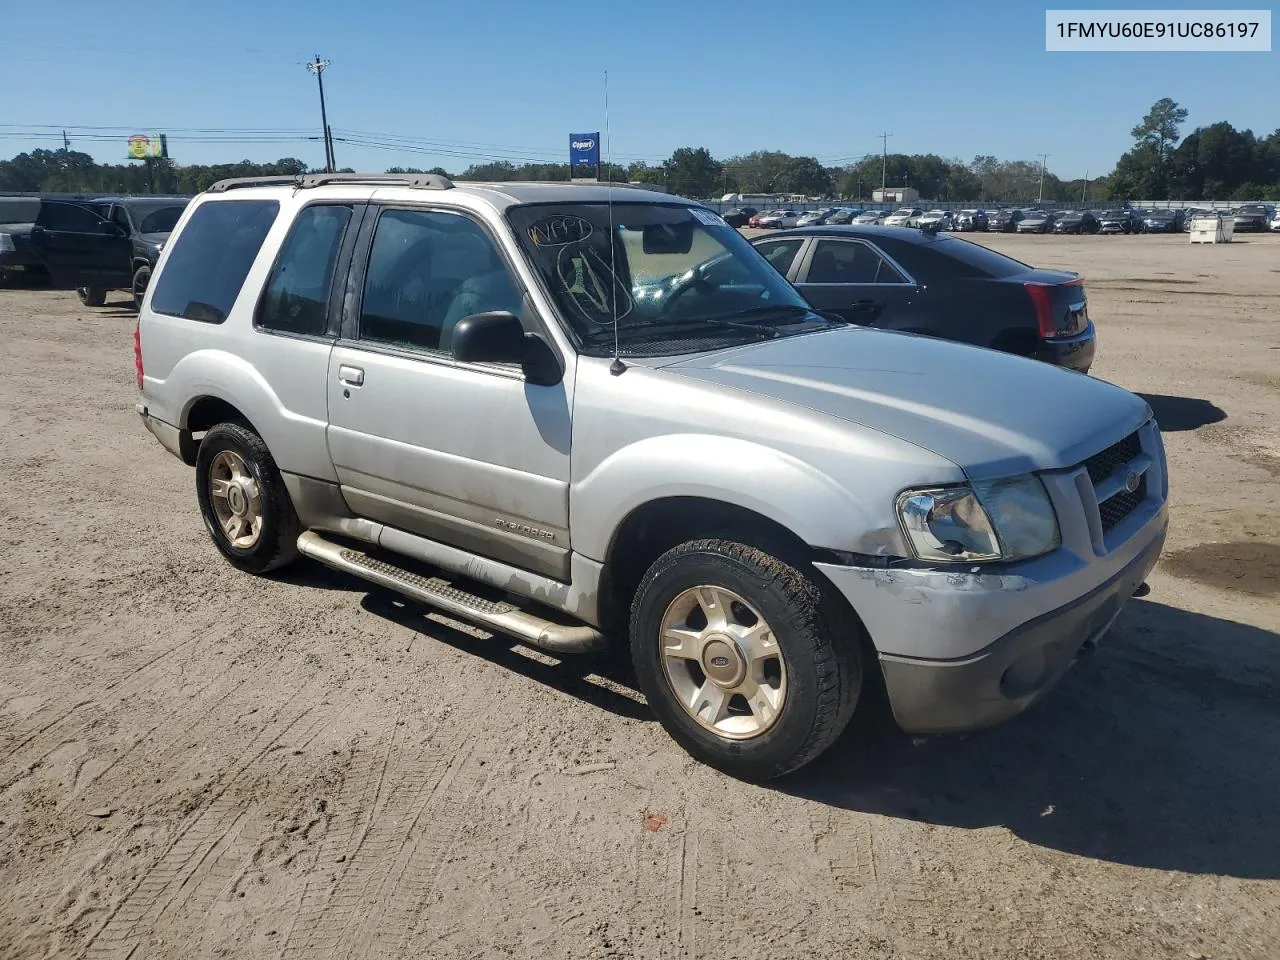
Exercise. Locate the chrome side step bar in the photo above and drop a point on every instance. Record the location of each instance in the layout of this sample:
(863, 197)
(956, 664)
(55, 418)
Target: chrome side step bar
(496, 615)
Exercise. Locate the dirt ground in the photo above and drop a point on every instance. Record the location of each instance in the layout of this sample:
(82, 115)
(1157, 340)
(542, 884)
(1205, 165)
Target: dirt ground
(197, 763)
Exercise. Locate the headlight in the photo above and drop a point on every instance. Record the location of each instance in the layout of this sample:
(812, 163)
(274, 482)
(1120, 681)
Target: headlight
(994, 520)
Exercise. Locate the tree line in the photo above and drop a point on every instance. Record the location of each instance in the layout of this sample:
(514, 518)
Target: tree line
(1214, 162)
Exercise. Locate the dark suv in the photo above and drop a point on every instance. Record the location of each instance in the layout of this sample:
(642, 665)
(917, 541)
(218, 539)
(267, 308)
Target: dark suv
(107, 243)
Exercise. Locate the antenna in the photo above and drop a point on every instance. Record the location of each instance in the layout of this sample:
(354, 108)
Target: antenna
(617, 368)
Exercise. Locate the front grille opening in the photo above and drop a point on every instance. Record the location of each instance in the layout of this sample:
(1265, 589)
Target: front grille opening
(1102, 465)
(1116, 508)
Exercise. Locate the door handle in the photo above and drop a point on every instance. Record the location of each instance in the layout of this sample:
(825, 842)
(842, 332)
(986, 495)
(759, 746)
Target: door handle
(351, 376)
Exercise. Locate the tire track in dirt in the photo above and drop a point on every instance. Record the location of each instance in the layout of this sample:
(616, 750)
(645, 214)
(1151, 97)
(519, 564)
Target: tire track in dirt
(195, 839)
(367, 775)
(399, 849)
(48, 720)
(233, 857)
(655, 867)
(847, 847)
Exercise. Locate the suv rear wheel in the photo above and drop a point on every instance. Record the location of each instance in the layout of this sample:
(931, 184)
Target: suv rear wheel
(92, 296)
(736, 653)
(243, 500)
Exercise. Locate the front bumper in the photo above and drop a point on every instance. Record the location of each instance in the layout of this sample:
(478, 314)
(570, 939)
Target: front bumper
(1001, 681)
(972, 623)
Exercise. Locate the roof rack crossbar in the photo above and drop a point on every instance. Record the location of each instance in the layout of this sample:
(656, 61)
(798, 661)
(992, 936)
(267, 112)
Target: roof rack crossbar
(307, 181)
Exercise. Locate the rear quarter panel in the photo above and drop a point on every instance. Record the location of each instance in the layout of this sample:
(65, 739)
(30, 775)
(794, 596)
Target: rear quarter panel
(278, 383)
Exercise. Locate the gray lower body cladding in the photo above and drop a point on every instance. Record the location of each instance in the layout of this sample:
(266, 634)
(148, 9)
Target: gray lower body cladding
(1002, 680)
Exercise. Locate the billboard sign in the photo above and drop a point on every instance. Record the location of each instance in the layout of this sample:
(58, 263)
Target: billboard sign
(144, 145)
(584, 156)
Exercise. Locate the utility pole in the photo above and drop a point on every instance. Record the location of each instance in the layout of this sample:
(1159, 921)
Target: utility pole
(884, 159)
(66, 144)
(317, 66)
(1085, 188)
(1043, 158)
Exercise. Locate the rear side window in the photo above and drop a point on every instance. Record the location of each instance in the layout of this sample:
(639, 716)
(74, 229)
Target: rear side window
(69, 217)
(211, 257)
(950, 258)
(780, 253)
(297, 292)
(850, 261)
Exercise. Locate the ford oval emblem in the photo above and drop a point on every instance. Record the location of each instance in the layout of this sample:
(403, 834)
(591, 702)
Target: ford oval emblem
(1132, 481)
(583, 144)
(719, 661)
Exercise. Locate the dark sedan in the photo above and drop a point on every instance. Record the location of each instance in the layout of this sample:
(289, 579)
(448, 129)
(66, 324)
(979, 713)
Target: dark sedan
(739, 216)
(1004, 221)
(18, 261)
(1252, 217)
(1162, 221)
(1036, 221)
(1076, 221)
(916, 282)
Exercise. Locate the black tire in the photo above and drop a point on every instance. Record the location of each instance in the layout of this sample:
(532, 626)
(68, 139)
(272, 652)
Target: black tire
(92, 296)
(141, 280)
(277, 542)
(819, 645)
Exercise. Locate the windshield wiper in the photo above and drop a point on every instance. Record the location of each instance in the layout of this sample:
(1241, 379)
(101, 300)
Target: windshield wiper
(680, 328)
(779, 313)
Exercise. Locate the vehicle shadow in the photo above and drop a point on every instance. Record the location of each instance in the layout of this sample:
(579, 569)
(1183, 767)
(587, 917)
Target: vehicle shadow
(1174, 414)
(1160, 751)
(602, 679)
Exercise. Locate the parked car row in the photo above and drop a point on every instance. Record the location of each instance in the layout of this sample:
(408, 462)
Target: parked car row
(1250, 217)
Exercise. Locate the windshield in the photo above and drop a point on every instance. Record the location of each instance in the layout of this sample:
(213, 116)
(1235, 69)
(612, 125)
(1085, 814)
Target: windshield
(151, 219)
(678, 279)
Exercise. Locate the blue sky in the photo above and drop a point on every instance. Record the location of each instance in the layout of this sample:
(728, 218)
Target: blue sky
(450, 84)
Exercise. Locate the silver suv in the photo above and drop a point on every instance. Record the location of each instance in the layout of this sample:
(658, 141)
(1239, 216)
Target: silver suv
(575, 412)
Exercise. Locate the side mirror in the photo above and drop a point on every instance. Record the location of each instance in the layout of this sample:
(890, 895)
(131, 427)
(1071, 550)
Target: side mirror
(493, 337)
(111, 229)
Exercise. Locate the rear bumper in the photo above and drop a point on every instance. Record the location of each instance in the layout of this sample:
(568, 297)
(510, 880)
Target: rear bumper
(176, 441)
(1074, 353)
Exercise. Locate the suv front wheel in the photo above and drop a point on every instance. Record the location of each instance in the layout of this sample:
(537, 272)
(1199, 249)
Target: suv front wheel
(243, 500)
(737, 655)
(141, 280)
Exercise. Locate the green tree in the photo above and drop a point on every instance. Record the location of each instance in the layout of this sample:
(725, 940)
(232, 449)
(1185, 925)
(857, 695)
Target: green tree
(807, 176)
(694, 172)
(1160, 127)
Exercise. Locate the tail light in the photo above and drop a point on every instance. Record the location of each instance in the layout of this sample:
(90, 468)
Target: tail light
(1041, 300)
(137, 352)
(1039, 294)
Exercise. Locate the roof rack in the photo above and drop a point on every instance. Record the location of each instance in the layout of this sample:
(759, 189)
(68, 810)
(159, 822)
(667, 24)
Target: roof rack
(307, 181)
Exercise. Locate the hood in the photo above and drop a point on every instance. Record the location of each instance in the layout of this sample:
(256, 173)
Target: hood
(992, 414)
(154, 237)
